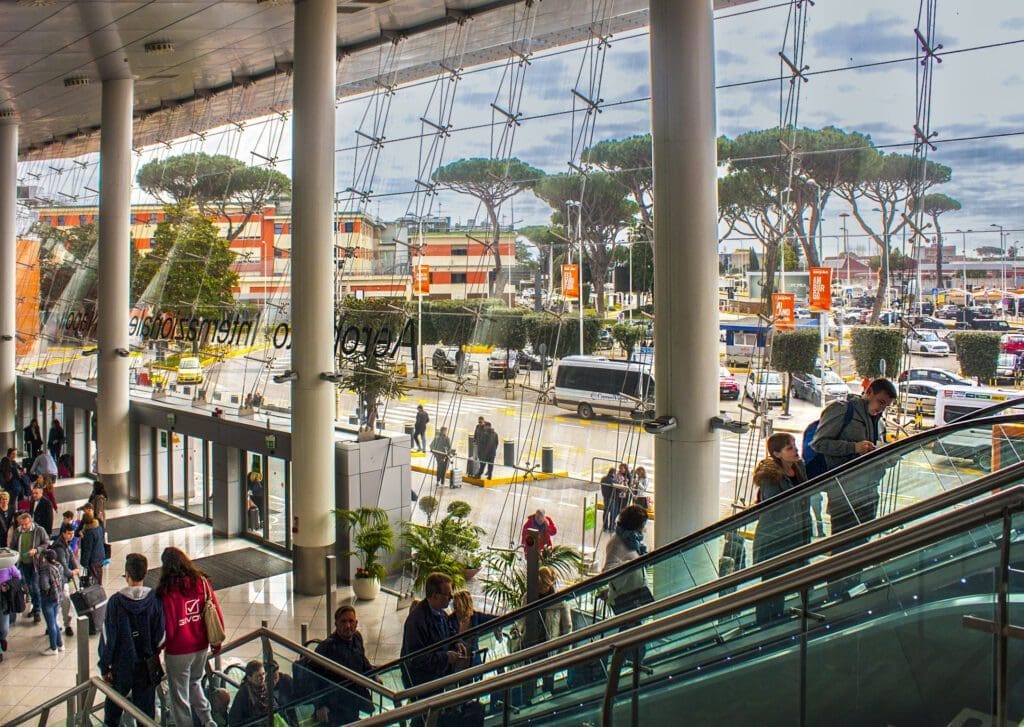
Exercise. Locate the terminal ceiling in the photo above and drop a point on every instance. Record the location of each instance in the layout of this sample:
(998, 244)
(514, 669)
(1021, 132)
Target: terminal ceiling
(201, 64)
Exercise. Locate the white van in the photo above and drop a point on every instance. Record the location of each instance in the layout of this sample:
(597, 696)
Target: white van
(590, 385)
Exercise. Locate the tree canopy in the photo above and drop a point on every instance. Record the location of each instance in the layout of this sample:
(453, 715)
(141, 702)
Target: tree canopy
(603, 213)
(218, 184)
(188, 271)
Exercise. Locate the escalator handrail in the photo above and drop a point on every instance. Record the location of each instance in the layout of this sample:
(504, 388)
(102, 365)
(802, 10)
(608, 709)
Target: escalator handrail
(796, 557)
(994, 507)
(713, 530)
(92, 684)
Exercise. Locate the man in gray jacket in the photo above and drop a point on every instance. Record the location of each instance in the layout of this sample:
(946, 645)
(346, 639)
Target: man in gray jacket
(847, 429)
(29, 540)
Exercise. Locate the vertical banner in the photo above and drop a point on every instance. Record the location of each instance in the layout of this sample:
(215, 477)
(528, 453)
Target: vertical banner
(571, 281)
(821, 290)
(421, 280)
(783, 311)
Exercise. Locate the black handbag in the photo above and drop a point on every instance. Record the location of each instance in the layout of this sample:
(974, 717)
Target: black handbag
(632, 599)
(148, 665)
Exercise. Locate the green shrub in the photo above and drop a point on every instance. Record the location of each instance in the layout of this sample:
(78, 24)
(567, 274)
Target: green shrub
(627, 335)
(561, 335)
(978, 353)
(796, 352)
(871, 344)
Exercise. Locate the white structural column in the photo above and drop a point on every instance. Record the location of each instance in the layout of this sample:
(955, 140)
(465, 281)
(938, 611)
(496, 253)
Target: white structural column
(112, 324)
(8, 263)
(312, 306)
(686, 264)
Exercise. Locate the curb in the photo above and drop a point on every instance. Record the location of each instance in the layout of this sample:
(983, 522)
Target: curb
(492, 482)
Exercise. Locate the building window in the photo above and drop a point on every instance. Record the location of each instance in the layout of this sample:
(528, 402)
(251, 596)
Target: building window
(459, 278)
(60, 220)
(349, 226)
(459, 251)
(278, 228)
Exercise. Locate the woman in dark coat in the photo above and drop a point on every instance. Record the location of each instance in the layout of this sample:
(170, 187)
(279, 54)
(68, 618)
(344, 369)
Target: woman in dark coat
(611, 502)
(782, 528)
(255, 697)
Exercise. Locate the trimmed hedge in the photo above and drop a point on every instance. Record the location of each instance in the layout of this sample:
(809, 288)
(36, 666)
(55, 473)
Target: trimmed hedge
(796, 352)
(978, 353)
(871, 344)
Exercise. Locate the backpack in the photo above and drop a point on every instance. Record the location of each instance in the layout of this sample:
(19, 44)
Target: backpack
(815, 463)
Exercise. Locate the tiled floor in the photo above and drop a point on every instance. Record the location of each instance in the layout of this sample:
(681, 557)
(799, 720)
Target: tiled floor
(28, 677)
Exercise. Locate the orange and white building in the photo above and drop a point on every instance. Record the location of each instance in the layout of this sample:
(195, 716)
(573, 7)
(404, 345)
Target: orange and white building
(376, 258)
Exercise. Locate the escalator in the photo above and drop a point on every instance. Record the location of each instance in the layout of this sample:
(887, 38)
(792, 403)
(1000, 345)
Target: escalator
(906, 472)
(933, 635)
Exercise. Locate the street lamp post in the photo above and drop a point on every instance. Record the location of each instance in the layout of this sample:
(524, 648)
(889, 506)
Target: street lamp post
(570, 204)
(1002, 259)
(963, 239)
(846, 248)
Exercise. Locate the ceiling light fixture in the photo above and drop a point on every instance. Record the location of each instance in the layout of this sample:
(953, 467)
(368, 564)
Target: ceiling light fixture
(158, 47)
(76, 81)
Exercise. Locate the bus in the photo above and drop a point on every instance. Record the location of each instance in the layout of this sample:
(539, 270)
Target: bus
(954, 402)
(590, 385)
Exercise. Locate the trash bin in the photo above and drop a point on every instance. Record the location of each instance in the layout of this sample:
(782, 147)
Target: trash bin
(509, 451)
(547, 459)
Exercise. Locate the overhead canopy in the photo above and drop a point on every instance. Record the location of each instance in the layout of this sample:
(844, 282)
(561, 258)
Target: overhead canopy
(199, 64)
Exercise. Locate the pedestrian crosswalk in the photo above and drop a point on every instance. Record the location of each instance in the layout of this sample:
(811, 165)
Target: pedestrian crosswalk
(404, 411)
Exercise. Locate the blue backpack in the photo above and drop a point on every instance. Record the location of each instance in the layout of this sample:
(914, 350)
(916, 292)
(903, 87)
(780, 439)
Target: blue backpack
(815, 463)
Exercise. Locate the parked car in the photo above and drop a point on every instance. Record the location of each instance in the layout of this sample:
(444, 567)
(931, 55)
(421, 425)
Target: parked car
(503, 363)
(533, 361)
(604, 339)
(446, 359)
(949, 311)
(888, 318)
(811, 388)
(728, 387)
(926, 342)
(765, 385)
(950, 339)
(802, 314)
(919, 393)
(939, 376)
(928, 323)
(1006, 368)
(190, 371)
(1011, 343)
(990, 324)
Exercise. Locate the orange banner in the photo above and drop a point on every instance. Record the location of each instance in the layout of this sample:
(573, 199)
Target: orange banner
(571, 281)
(420, 279)
(783, 310)
(821, 289)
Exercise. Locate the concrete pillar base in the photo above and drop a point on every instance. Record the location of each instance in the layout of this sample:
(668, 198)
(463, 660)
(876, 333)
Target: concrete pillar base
(117, 488)
(308, 571)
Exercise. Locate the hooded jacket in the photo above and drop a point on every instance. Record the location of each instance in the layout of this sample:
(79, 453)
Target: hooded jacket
(183, 616)
(92, 544)
(785, 526)
(65, 556)
(117, 647)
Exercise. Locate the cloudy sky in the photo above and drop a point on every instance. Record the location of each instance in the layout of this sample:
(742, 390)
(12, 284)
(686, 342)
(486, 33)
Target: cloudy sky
(863, 77)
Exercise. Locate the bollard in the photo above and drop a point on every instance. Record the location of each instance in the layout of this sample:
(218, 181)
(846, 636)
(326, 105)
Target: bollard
(509, 449)
(470, 447)
(82, 649)
(410, 429)
(547, 459)
(331, 578)
(304, 633)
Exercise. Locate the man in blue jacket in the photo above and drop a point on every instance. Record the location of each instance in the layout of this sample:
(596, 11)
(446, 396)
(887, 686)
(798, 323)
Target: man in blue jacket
(134, 607)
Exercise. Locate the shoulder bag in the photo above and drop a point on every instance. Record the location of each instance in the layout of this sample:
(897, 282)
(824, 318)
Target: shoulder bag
(150, 665)
(211, 619)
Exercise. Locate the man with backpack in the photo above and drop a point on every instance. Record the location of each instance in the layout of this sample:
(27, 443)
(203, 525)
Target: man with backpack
(848, 429)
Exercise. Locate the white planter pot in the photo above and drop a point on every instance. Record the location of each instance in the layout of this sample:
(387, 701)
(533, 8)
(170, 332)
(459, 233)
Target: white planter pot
(366, 589)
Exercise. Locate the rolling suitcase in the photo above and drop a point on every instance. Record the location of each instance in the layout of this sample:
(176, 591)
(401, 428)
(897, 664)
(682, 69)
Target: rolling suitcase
(91, 601)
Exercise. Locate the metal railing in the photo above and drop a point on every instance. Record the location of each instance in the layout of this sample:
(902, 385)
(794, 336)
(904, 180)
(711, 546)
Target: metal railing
(80, 716)
(997, 507)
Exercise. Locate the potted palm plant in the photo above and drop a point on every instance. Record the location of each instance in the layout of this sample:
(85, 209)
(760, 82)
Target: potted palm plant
(450, 545)
(372, 536)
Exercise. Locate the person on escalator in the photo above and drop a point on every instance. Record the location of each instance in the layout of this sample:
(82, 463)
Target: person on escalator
(787, 525)
(848, 429)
